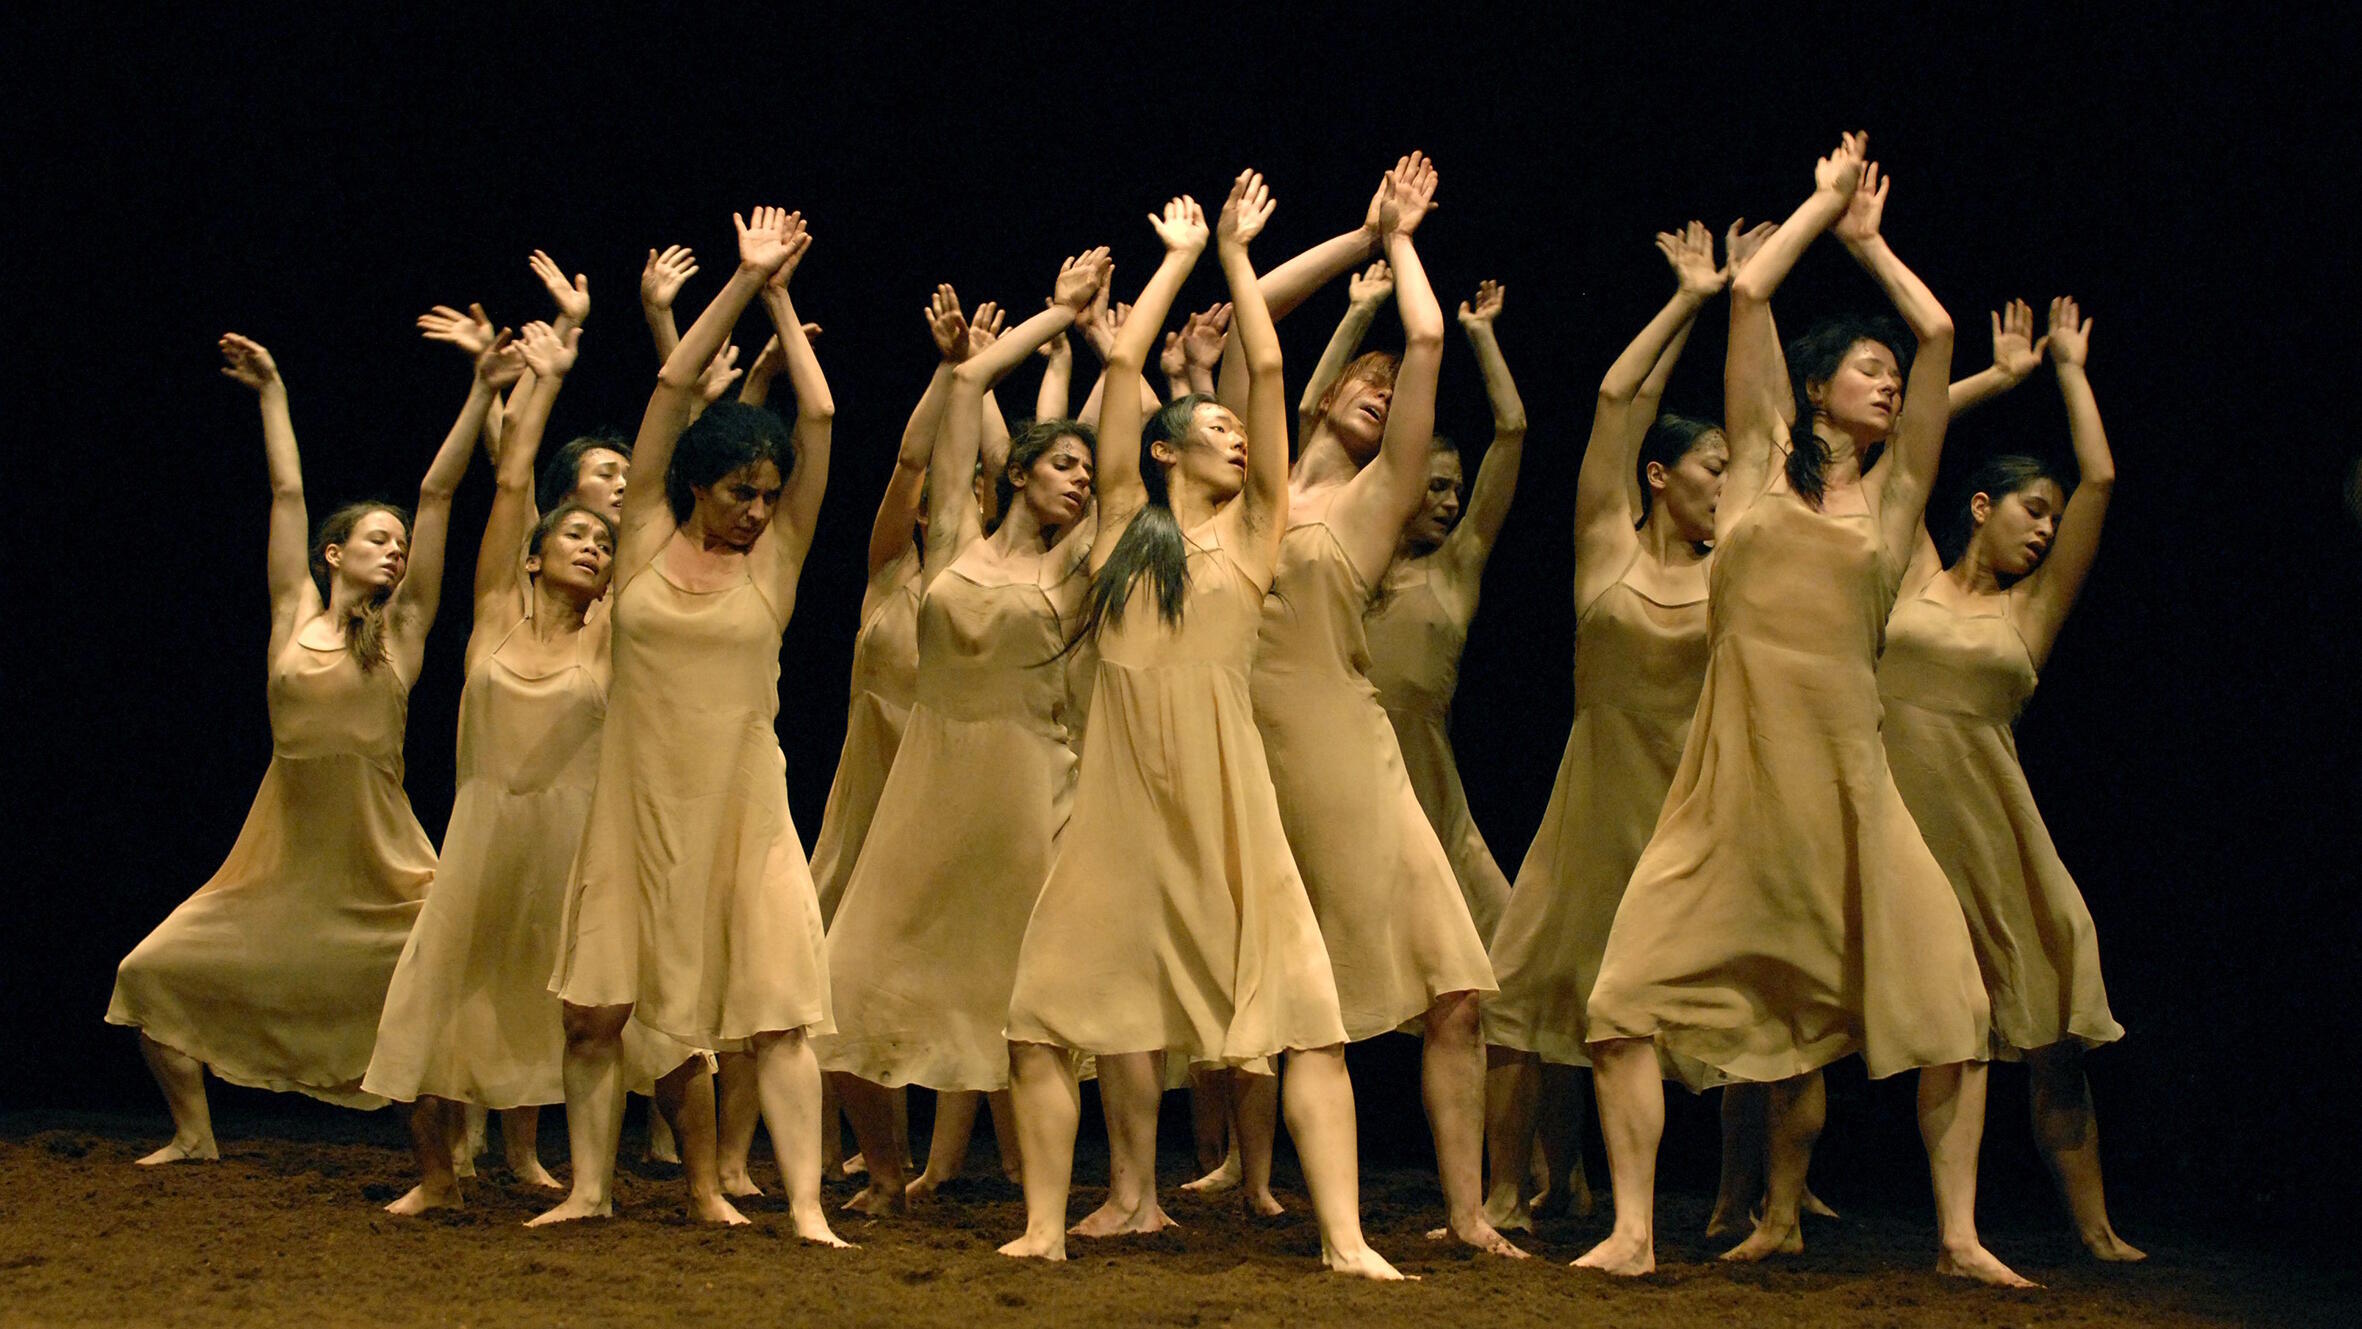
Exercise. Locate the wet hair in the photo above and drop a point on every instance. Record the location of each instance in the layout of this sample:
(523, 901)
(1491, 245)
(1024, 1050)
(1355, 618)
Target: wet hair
(1443, 443)
(1998, 477)
(1031, 443)
(365, 627)
(563, 470)
(556, 517)
(1666, 443)
(729, 435)
(1152, 545)
(1376, 368)
(1815, 358)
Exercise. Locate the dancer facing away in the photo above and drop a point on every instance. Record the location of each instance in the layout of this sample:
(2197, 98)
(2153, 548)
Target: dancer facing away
(1397, 930)
(1419, 624)
(1173, 918)
(690, 907)
(1963, 649)
(1832, 928)
(1644, 521)
(273, 973)
(923, 951)
(468, 1017)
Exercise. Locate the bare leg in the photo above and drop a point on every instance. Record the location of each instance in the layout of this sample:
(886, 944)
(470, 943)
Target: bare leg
(1745, 1112)
(788, 1078)
(737, 1108)
(1129, 1093)
(469, 1120)
(947, 1148)
(182, 1078)
(1004, 1133)
(1794, 1111)
(1632, 1117)
(520, 1146)
(2068, 1133)
(1254, 1108)
(1451, 1080)
(1952, 1126)
(430, 1144)
(685, 1098)
(871, 1109)
(1213, 1115)
(1511, 1086)
(594, 1109)
(1049, 1107)
(1559, 1122)
(1319, 1104)
(832, 1135)
(662, 1147)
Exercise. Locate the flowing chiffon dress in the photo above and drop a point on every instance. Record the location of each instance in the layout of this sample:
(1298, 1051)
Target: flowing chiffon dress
(469, 1016)
(885, 682)
(1786, 913)
(1399, 933)
(690, 898)
(274, 972)
(1639, 665)
(922, 954)
(1954, 680)
(1415, 642)
(1173, 917)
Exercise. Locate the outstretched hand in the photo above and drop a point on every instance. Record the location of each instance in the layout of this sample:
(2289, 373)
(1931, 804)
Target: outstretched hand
(2070, 333)
(1247, 210)
(1865, 209)
(1182, 226)
(1174, 359)
(1840, 172)
(2015, 352)
(244, 359)
(1690, 251)
(984, 327)
(545, 353)
(1479, 313)
(573, 297)
(772, 242)
(1081, 279)
(1374, 287)
(661, 279)
(1202, 334)
(1738, 246)
(720, 373)
(472, 332)
(1406, 196)
(946, 324)
(502, 363)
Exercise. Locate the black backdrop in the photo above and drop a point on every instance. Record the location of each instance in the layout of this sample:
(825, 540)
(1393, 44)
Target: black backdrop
(2193, 743)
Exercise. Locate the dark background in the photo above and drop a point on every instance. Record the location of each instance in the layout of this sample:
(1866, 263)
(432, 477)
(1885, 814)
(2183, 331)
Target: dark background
(317, 187)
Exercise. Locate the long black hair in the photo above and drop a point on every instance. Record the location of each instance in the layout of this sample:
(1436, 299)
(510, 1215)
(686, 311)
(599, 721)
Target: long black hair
(1152, 545)
(1997, 477)
(1667, 442)
(563, 471)
(1815, 358)
(729, 435)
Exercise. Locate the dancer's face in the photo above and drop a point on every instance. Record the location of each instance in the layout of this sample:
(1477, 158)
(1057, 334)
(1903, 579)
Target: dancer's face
(1214, 453)
(738, 508)
(599, 477)
(1865, 394)
(375, 556)
(576, 558)
(1439, 509)
(1688, 492)
(1358, 417)
(1058, 483)
(2015, 532)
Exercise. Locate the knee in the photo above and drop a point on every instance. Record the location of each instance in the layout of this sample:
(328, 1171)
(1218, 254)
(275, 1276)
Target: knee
(1454, 1017)
(587, 1027)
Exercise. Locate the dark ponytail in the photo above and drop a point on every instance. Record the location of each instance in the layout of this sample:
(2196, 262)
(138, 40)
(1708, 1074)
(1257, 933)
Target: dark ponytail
(1667, 442)
(1815, 358)
(1152, 544)
(365, 626)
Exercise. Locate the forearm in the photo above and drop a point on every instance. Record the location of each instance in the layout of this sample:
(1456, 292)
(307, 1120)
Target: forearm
(686, 362)
(1771, 264)
(1920, 310)
(1500, 389)
(280, 459)
(755, 388)
(450, 464)
(2094, 462)
(1344, 343)
(1652, 388)
(1293, 282)
(804, 377)
(1056, 392)
(662, 328)
(1980, 387)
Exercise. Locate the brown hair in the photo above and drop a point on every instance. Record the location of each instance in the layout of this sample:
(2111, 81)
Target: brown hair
(1376, 368)
(365, 628)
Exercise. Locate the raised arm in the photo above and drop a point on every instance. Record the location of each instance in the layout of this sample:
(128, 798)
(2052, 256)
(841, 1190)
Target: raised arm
(549, 358)
(1471, 542)
(660, 284)
(1917, 444)
(1263, 509)
(1056, 393)
(1369, 515)
(1202, 340)
(1115, 472)
(2060, 579)
(898, 509)
(410, 610)
(572, 298)
(1365, 293)
(2015, 354)
(473, 333)
(984, 328)
(1606, 506)
(295, 598)
(815, 425)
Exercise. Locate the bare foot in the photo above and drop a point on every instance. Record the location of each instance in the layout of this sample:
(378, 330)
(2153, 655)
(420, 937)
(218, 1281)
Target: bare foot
(1262, 1203)
(1727, 1220)
(1766, 1241)
(853, 1166)
(1221, 1179)
(534, 1174)
(2106, 1245)
(1475, 1231)
(1574, 1199)
(1975, 1262)
(739, 1186)
(1031, 1247)
(922, 1190)
(877, 1200)
(1364, 1263)
(573, 1207)
(463, 1164)
(1115, 1219)
(1623, 1256)
(191, 1151)
(1506, 1212)
(715, 1209)
(420, 1199)
(1816, 1206)
(811, 1224)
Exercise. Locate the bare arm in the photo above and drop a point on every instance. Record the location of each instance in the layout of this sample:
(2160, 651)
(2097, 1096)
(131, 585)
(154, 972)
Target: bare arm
(497, 569)
(1263, 509)
(2015, 354)
(1470, 544)
(1369, 515)
(1056, 392)
(1202, 340)
(410, 611)
(287, 561)
(1364, 294)
(660, 285)
(1115, 474)
(815, 429)
(2060, 579)
(1917, 444)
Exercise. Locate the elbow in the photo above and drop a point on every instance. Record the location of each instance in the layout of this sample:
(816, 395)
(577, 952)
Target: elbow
(678, 379)
(1509, 428)
(287, 491)
(820, 408)
(1934, 329)
(1750, 288)
(1423, 334)
(1266, 362)
(2098, 479)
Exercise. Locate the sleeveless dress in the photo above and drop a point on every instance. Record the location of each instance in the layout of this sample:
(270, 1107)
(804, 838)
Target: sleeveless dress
(1638, 667)
(922, 953)
(1415, 644)
(1786, 913)
(690, 897)
(1398, 932)
(1173, 917)
(274, 972)
(1953, 682)
(885, 680)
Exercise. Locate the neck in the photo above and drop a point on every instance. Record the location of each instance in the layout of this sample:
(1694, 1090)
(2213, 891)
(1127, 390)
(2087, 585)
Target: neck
(1974, 571)
(346, 600)
(1022, 532)
(554, 612)
(1324, 460)
(710, 542)
(1192, 507)
(1410, 550)
(1659, 540)
(1845, 455)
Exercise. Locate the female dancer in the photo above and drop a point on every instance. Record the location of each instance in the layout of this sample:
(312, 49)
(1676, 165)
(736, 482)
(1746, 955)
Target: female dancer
(1397, 931)
(1641, 567)
(468, 1016)
(1173, 918)
(923, 950)
(1419, 623)
(690, 907)
(1786, 912)
(273, 973)
(1963, 649)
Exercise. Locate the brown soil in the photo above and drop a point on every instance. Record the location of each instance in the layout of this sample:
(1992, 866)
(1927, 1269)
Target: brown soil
(287, 1229)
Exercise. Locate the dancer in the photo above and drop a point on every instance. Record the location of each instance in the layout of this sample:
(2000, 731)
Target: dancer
(1173, 918)
(1391, 914)
(690, 907)
(1419, 623)
(273, 973)
(1786, 912)
(923, 950)
(1963, 649)
(1642, 559)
